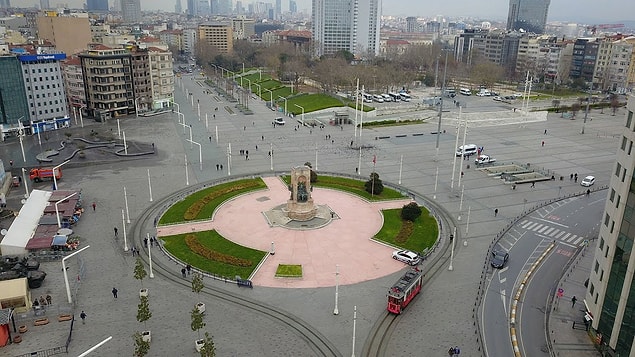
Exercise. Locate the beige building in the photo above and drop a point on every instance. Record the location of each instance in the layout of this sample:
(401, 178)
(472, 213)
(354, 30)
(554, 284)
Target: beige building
(614, 65)
(161, 77)
(243, 28)
(218, 35)
(69, 34)
(73, 83)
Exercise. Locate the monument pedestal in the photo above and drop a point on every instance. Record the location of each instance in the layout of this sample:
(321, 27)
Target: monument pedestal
(301, 211)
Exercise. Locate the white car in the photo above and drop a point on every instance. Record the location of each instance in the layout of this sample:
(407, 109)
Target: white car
(279, 121)
(406, 256)
(588, 181)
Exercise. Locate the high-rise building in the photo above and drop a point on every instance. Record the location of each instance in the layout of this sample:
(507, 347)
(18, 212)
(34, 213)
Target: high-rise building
(44, 4)
(202, 8)
(610, 296)
(218, 35)
(278, 9)
(177, 7)
(69, 34)
(5, 4)
(97, 5)
(131, 10)
(14, 107)
(528, 15)
(351, 25)
(585, 52)
(293, 6)
(191, 7)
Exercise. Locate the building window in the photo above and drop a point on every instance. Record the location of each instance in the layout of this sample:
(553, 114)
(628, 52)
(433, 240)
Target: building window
(618, 168)
(624, 141)
(617, 204)
(606, 221)
(612, 227)
(630, 147)
(601, 275)
(597, 267)
(592, 289)
(629, 119)
(612, 195)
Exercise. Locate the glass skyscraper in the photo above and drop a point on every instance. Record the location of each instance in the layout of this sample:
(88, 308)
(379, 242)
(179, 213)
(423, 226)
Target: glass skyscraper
(528, 15)
(13, 101)
(610, 296)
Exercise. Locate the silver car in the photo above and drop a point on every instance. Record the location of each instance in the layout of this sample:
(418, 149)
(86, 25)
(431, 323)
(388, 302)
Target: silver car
(406, 256)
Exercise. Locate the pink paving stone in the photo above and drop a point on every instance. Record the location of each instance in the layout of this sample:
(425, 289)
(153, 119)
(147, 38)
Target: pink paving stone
(345, 242)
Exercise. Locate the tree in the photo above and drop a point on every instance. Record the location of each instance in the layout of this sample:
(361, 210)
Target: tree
(197, 320)
(556, 104)
(140, 271)
(141, 347)
(314, 177)
(197, 283)
(575, 108)
(374, 185)
(143, 310)
(208, 349)
(410, 212)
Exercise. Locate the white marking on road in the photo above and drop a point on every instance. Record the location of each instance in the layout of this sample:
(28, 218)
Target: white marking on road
(551, 222)
(554, 233)
(543, 228)
(549, 230)
(572, 238)
(537, 227)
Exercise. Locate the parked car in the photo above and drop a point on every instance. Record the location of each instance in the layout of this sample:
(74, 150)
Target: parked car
(484, 159)
(406, 256)
(499, 259)
(279, 121)
(498, 98)
(588, 181)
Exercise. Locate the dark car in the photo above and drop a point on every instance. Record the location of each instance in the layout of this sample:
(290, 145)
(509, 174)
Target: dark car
(499, 259)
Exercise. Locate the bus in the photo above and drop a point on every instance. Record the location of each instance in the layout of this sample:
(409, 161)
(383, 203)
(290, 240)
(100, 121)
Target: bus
(465, 91)
(395, 97)
(405, 96)
(367, 98)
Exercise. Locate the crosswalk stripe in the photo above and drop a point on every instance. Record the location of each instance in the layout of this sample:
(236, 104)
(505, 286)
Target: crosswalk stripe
(566, 236)
(537, 227)
(543, 229)
(577, 241)
(549, 231)
(571, 239)
(554, 233)
(559, 234)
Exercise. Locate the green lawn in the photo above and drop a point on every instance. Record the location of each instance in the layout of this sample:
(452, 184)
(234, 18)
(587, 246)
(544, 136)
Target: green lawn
(353, 186)
(424, 235)
(230, 189)
(312, 102)
(212, 240)
(289, 271)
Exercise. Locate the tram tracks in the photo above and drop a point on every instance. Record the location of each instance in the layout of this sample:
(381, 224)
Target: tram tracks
(319, 344)
(379, 336)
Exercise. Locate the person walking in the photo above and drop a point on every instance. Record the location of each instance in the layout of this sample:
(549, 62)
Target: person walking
(83, 317)
(183, 271)
(114, 292)
(94, 206)
(495, 212)
(189, 269)
(116, 232)
(573, 300)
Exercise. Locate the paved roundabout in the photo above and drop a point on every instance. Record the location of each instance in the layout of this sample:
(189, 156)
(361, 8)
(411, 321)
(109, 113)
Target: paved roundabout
(344, 241)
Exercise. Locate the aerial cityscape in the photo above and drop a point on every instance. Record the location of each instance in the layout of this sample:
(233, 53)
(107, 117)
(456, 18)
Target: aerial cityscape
(317, 178)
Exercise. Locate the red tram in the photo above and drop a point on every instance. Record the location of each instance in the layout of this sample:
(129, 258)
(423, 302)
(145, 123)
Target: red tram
(404, 290)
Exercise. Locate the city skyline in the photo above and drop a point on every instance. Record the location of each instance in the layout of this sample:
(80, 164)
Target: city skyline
(583, 11)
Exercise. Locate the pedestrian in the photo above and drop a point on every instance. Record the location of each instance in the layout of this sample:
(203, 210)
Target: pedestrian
(145, 242)
(183, 272)
(573, 300)
(571, 177)
(332, 141)
(116, 232)
(244, 127)
(246, 157)
(269, 153)
(545, 131)
(217, 167)
(11, 163)
(221, 167)
(495, 212)
(256, 147)
(351, 143)
(189, 269)
(451, 351)
(83, 317)
(543, 143)
(153, 146)
(133, 252)
(49, 299)
(575, 178)
(457, 351)
(94, 206)
(114, 292)
(263, 138)
(588, 192)
(533, 184)
(210, 139)
(247, 152)
(342, 128)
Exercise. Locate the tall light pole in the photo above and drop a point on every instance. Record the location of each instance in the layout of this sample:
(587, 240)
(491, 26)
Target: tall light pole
(26, 185)
(270, 96)
(150, 185)
(354, 326)
(229, 159)
(187, 175)
(125, 236)
(259, 89)
(57, 212)
(151, 275)
(54, 173)
(586, 112)
(68, 287)
(200, 152)
(301, 107)
(451, 267)
(271, 156)
(125, 197)
(21, 135)
(285, 104)
(337, 287)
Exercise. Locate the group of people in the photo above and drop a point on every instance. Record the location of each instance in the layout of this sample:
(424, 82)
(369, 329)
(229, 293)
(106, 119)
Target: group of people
(152, 240)
(42, 301)
(454, 351)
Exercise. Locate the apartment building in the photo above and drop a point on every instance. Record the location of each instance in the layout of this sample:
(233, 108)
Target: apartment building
(68, 33)
(161, 77)
(44, 83)
(218, 35)
(585, 52)
(613, 65)
(73, 83)
(243, 27)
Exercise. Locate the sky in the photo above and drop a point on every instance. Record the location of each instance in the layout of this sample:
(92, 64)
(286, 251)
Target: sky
(582, 11)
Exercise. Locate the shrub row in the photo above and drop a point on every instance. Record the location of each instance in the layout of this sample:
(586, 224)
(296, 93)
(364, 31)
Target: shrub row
(193, 211)
(196, 247)
(407, 227)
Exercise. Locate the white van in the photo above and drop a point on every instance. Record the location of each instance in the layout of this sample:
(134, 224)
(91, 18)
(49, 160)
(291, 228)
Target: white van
(467, 150)
(465, 91)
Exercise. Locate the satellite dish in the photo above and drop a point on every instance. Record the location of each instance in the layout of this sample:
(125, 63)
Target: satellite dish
(3, 232)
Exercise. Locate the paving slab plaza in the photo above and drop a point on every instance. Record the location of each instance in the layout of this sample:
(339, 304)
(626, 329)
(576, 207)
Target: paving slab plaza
(441, 316)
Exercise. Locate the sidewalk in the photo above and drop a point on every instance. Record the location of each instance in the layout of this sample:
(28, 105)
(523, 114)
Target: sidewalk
(567, 340)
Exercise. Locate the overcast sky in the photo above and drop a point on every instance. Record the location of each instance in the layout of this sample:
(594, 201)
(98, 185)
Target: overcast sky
(585, 11)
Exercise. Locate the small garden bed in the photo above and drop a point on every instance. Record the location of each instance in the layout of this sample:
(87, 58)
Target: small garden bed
(289, 271)
(415, 236)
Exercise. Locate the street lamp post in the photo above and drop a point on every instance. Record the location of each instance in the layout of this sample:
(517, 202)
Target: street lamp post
(259, 89)
(54, 173)
(151, 275)
(26, 185)
(586, 112)
(270, 96)
(285, 104)
(125, 197)
(149, 185)
(451, 267)
(301, 107)
(337, 287)
(68, 287)
(57, 212)
(200, 152)
(125, 237)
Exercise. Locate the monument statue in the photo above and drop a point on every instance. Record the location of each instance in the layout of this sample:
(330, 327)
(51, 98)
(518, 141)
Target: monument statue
(300, 206)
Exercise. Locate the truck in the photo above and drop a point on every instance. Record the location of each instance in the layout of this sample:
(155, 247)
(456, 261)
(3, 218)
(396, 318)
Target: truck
(484, 159)
(40, 174)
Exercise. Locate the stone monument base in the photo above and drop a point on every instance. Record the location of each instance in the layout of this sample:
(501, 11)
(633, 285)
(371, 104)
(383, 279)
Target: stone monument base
(301, 211)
